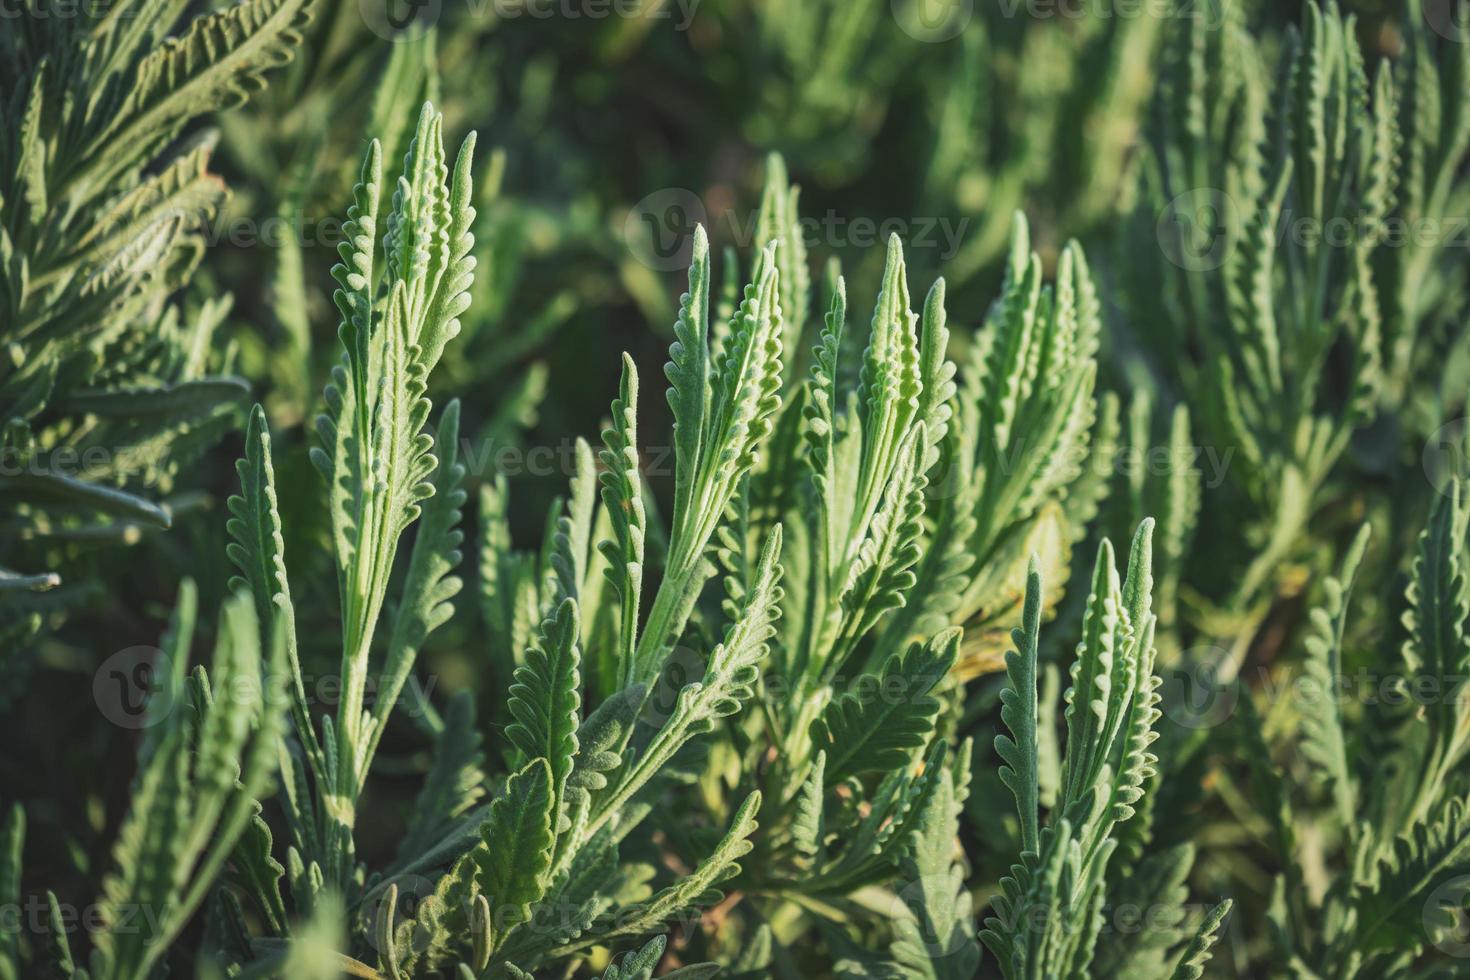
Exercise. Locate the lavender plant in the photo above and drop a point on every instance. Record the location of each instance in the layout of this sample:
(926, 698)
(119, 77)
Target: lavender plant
(824, 664)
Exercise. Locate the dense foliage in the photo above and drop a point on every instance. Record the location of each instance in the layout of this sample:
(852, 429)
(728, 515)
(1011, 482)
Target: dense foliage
(1066, 579)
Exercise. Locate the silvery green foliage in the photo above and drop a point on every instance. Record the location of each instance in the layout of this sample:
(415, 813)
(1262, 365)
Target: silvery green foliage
(1387, 784)
(1049, 917)
(403, 281)
(1422, 277)
(531, 877)
(298, 148)
(861, 792)
(1061, 131)
(1264, 207)
(109, 382)
(210, 747)
(742, 705)
(583, 784)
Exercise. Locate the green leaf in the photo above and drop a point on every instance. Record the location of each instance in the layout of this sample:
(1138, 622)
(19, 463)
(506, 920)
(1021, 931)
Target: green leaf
(213, 66)
(546, 703)
(507, 596)
(807, 831)
(571, 552)
(622, 498)
(1390, 913)
(779, 221)
(880, 731)
(258, 550)
(515, 850)
(185, 820)
(743, 400)
(938, 942)
(1019, 752)
(431, 586)
(1324, 740)
(12, 842)
(187, 399)
(688, 373)
(697, 888)
(47, 487)
(1192, 961)
(639, 965)
(17, 582)
(256, 872)
(728, 682)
